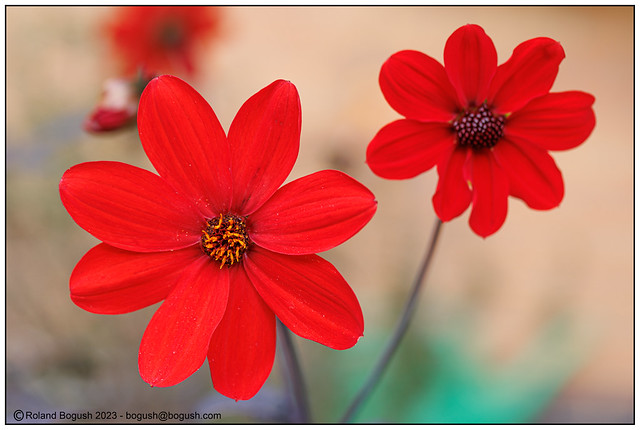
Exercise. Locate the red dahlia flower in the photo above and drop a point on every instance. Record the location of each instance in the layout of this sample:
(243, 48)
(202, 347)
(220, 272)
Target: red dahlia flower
(149, 40)
(215, 237)
(487, 128)
(116, 109)
(161, 39)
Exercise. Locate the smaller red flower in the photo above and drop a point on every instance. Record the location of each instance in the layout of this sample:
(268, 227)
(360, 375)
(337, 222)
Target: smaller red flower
(162, 39)
(216, 238)
(487, 128)
(116, 109)
(149, 40)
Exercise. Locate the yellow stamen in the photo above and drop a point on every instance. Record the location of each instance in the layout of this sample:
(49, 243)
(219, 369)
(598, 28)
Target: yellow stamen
(225, 239)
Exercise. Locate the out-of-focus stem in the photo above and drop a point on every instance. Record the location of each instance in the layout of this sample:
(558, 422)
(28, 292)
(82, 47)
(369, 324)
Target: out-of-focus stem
(400, 330)
(294, 376)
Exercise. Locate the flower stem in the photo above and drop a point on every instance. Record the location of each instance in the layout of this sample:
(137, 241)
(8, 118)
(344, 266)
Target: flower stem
(294, 376)
(400, 330)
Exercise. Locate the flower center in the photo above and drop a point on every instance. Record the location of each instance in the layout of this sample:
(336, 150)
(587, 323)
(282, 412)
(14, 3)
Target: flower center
(171, 35)
(225, 239)
(479, 128)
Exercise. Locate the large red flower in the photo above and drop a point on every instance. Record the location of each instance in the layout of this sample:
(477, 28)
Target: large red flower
(161, 39)
(215, 236)
(487, 128)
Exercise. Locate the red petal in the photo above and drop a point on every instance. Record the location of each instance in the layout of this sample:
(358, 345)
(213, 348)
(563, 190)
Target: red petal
(490, 193)
(417, 87)
(529, 73)
(533, 175)
(176, 341)
(186, 143)
(406, 148)
(109, 280)
(243, 347)
(555, 121)
(308, 295)
(128, 207)
(470, 60)
(312, 214)
(264, 138)
(452, 196)
(104, 119)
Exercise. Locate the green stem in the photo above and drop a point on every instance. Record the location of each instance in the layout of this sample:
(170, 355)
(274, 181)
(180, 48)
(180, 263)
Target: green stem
(400, 330)
(294, 376)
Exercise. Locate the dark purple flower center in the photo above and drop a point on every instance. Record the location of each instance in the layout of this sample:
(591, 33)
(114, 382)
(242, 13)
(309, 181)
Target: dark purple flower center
(171, 34)
(225, 239)
(479, 128)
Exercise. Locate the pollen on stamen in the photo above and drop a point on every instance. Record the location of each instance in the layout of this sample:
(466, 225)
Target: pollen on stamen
(225, 239)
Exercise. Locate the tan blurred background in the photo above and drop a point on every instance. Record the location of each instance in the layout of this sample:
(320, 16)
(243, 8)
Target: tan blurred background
(533, 324)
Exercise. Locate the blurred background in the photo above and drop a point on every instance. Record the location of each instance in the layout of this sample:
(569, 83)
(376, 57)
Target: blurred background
(533, 324)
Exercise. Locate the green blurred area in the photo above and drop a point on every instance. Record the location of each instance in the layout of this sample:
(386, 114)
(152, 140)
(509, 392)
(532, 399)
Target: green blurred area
(440, 379)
